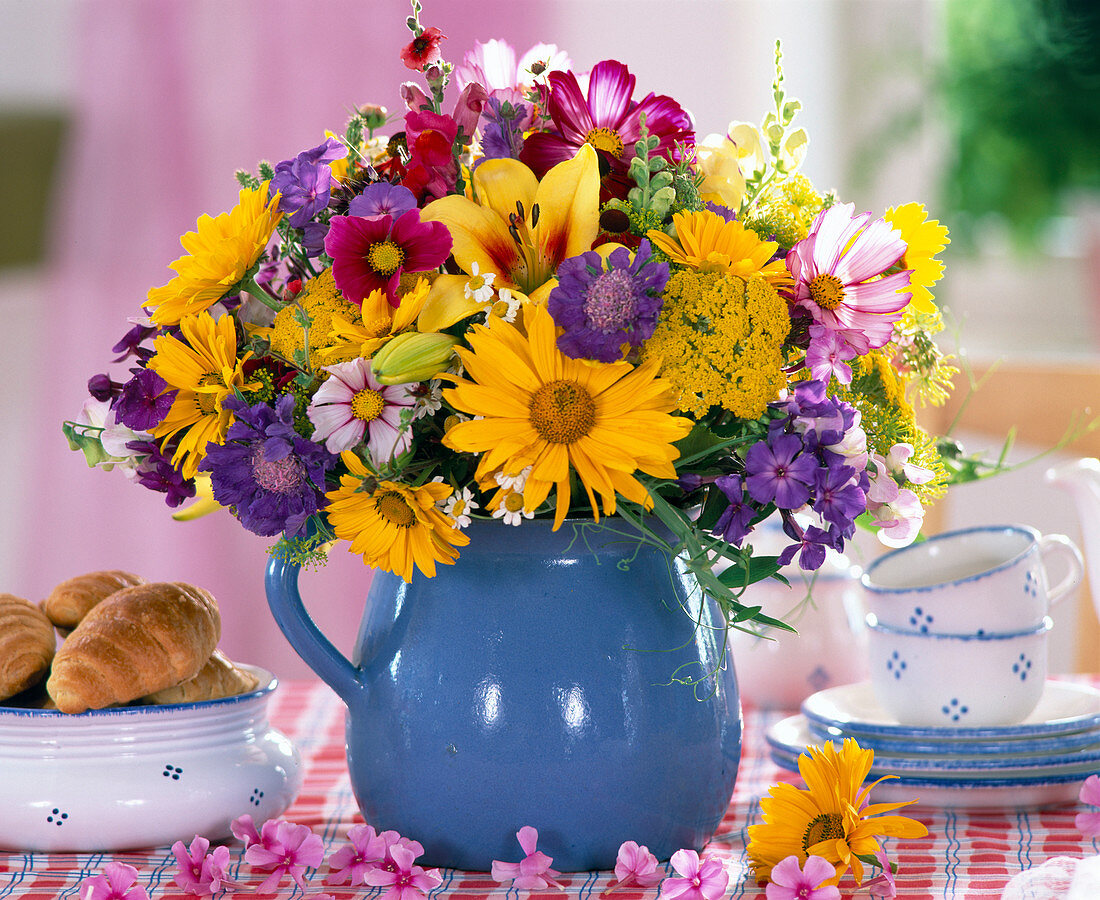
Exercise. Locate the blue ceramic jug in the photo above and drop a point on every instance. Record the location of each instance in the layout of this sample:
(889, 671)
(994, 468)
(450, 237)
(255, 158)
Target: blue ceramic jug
(531, 684)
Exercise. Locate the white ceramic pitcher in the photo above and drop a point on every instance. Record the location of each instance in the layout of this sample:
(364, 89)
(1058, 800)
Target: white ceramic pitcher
(1081, 478)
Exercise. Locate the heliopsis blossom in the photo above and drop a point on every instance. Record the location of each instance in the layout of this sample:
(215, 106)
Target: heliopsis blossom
(608, 119)
(831, 818)
(203, 369)
(1088, 823)
(199, 871)
(807, 882)
(536, 407)
(371, 254)
(352, 405)
(394, 526)
(698, 879)
(533, 872)
(118, 882)
(838, 272)
(604, 304)
(924, 238)
(423, 50)
(520, 229)
(220, 253)
(707, 242)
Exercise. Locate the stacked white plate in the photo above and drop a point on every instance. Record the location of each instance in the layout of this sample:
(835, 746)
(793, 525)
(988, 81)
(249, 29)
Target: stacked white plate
(1040, 761)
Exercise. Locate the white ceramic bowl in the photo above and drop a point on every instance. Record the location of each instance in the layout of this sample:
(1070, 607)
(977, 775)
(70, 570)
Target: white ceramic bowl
(957, 680)
(141, 776)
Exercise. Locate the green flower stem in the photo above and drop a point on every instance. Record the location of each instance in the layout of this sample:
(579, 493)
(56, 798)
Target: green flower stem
(249, 286)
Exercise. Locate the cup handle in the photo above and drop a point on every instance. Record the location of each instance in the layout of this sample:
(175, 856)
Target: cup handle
(1060, 545)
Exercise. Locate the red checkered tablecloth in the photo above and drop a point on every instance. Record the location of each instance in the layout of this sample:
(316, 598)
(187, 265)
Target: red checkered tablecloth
(966, 854)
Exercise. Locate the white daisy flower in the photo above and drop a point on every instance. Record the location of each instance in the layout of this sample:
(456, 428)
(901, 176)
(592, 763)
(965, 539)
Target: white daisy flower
(480, 287)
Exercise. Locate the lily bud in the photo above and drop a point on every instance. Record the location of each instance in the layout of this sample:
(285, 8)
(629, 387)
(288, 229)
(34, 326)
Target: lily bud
(413, 356)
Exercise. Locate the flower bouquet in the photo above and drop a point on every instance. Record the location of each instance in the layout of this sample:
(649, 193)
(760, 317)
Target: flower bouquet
(536, 293)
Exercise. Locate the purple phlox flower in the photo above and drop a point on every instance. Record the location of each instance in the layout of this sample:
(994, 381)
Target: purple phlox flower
(313, 238)
(735, 522)
(603, 308)
(200, 872)
(779, 472)
(1088, 823)
(882, 886)
(143, 402)
(898, 521)
(118, 882)
(157, 473)
(403, 879)
(533, 872)
(366, 850)
(837, 497)
(284, 848)
(102, 388)
(790, 882)
(727, 214)
(305, 182)
(271, 476)
(130, 343)
(382, 199)
(897, 461)
(699, 879)
(829, 351)
(635, 867)
(810, 544)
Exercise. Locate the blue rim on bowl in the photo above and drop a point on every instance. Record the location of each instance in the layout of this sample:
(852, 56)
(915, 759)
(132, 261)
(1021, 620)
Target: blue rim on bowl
(981, 636)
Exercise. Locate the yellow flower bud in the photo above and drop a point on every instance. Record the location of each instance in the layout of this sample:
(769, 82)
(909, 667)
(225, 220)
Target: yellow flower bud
(413, 356)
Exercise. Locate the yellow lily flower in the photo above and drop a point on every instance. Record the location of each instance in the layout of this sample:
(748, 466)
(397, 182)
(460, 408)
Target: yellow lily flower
(519, 228)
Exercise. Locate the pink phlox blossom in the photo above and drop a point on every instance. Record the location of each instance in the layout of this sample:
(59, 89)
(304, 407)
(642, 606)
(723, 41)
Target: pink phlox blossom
(284, 848)
(244, 830)
(898, 521)
(116, 883)
(367, 850)
(1088, 823)
(533, 872)
(829, 350)
(635, 867)
(201, 872)
(897, 461)
(882, 886)
(699, 879)
(403, 879)
(789, 881)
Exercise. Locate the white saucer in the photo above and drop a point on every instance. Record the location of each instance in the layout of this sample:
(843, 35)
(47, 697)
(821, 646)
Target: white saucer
(852, 709)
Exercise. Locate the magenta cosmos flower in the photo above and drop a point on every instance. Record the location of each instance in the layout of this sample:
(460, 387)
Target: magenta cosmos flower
(838, 270)
(608, 119)
(369, 254)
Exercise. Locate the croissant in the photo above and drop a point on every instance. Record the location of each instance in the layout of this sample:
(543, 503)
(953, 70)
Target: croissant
(26, 645)
(138, 641)
(220, 677)
(70, 601)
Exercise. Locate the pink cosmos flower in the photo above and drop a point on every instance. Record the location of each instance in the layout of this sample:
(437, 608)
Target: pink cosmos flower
(789, 882)
(493, 65)
(370, 254)
(837, 269)
(608, 119)
(1088, 823)
(284, 848)
(635, 867)
(699, 880)
(116, 883)
(533, 873)
(199, 872)
(404, 880)
(366, 851)
(353, 404)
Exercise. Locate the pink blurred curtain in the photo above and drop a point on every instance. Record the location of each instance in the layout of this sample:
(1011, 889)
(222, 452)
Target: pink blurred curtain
(174, 96)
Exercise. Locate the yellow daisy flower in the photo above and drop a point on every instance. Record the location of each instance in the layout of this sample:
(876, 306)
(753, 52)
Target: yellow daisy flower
(707, 242)
(221, 251)
(394, 526)
(203, 368)
(925, 238)
(363, 335)
(831, 818)
(537, 407)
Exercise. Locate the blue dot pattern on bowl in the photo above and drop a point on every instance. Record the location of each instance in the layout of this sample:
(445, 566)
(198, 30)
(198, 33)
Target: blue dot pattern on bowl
(57, 817)
(1021, 667)
(173, 772)
(955, 710)
(920, 620)
(895, 664)
(1031, 584)
(257, 796)
(819, 678)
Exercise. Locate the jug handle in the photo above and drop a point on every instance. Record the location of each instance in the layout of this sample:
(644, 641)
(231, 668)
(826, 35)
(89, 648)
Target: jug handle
(295, 622)
(1055, 543)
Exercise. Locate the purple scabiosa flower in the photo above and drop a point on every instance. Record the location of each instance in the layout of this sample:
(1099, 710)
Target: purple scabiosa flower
(779, 472)
(271, 477)
(735, 522)
(305, 182)
(382, 199)
(143, 403)
(602, 309)
(157, 473)
(727, 214)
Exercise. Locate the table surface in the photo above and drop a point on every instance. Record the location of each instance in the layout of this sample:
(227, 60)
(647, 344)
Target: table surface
(966, 854)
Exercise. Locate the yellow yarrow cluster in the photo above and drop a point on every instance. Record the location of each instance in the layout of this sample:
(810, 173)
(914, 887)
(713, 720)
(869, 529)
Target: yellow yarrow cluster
(787, 212)
(720, 338)
(321, 300)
